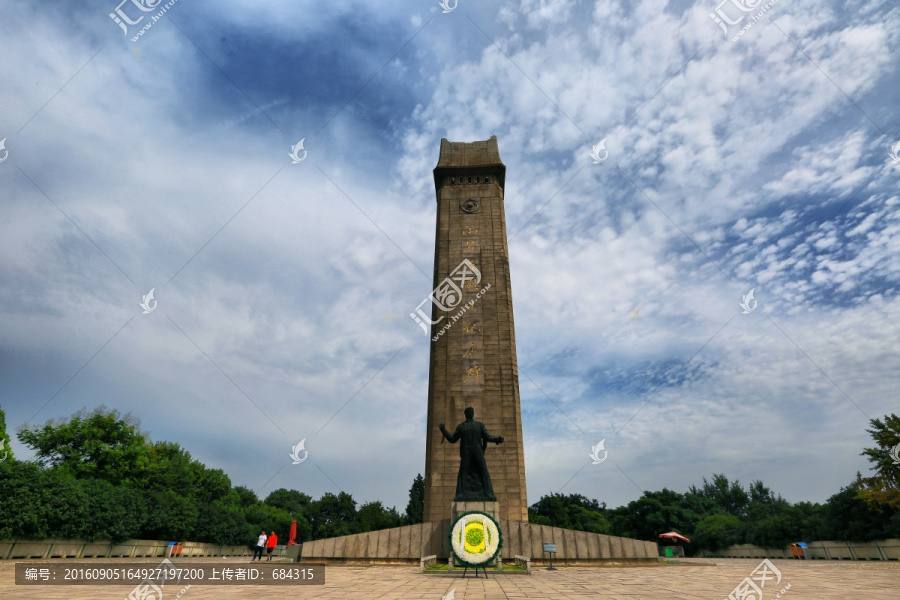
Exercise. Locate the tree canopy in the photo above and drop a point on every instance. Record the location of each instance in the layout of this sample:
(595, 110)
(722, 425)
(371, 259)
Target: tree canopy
(882, 490)
(97, 476)
(415, 509)
(5, 451)
(722, 512)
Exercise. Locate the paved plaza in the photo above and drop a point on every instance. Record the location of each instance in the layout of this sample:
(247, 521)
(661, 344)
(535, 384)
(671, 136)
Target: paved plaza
(694, 579)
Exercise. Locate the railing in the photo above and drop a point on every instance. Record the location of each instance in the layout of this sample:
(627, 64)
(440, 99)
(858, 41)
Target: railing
(427, 561)
(523, 561)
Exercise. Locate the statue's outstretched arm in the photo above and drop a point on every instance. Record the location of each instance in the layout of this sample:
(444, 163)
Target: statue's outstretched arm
(450, 437)
(497, 439)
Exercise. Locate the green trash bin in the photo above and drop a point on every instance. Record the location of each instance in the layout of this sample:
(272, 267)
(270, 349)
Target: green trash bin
(669, 553)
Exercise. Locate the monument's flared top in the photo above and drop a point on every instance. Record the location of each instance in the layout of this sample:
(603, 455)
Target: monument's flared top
(469, 154)
(457, 156)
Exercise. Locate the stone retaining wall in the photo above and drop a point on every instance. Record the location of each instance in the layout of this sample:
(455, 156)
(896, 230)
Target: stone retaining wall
(824, 550)
(10, 549)
(410, 543)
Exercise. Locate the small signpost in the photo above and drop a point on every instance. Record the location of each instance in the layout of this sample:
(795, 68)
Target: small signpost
(551, 549)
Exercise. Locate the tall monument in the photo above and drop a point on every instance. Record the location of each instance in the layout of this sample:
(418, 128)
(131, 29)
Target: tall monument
(473, 347)
(473, 372)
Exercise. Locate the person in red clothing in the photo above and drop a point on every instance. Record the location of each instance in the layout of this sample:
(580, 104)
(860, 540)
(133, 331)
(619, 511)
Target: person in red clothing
(270, 545)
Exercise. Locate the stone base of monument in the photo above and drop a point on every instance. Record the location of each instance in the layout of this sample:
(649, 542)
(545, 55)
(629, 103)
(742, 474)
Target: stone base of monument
(490, 508)
(408, 544)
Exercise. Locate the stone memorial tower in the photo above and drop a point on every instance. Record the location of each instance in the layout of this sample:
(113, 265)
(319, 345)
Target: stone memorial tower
(473, 342)
(469, 317)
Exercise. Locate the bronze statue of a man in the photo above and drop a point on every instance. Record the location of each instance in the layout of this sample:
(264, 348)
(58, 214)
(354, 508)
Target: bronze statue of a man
(473, 482)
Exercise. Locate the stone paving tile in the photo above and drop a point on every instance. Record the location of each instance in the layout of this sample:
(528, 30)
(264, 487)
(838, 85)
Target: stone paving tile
(711, 579)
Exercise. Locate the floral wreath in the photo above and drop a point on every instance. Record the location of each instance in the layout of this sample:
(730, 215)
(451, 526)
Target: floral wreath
(475, 539)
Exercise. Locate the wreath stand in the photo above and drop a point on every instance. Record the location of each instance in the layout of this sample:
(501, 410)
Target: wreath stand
(476, 571)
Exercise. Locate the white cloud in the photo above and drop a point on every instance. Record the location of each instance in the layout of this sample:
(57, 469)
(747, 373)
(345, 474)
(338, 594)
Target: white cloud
(300, 299)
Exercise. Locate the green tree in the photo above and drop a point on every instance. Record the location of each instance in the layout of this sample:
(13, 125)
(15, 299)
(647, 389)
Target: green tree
(415, 509)
(52, 503)
(270, 518)
(812, 525)
(99, 444)
(763, 502)
(549, 510)
(171, 516)
(244, 496)
(729, 497)
(304, 529)
(555, 503)
(655, 513)
(211, 484)
(714, 532)
(771, 520)
(167, 466)
(853, 518)
(222, 524)
(115, 513)
(64, 507)
(883, 488)
(373, 516)
(6, 453)
(296, 504)
(776, 530)
(21, 517)
(570, 512)
(38, 504)
(583, 519)
(698, 505)
(539, 520)
(333, 515)
(292, 501)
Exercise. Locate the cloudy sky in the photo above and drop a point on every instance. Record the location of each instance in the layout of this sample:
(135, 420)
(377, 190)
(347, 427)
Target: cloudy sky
(733, 162)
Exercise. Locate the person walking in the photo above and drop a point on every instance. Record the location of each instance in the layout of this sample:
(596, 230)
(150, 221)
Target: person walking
(273, 539)
(260, 546)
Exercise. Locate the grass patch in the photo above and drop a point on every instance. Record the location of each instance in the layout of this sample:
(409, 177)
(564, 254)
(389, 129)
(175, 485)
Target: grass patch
(506, 567)
(514, 567)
